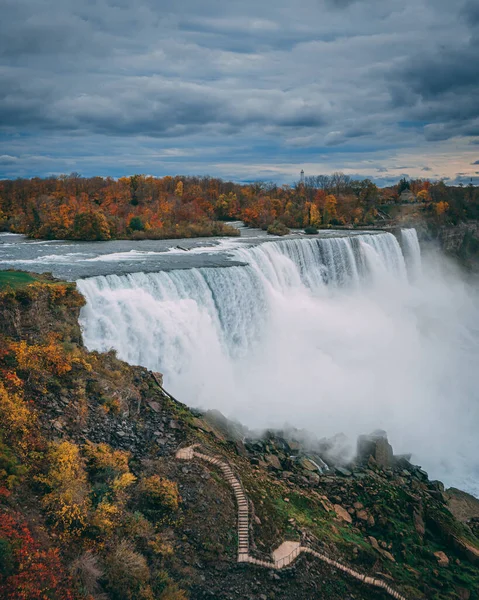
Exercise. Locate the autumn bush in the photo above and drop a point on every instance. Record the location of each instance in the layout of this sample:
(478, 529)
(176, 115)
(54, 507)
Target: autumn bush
(278, 228)
(28, 572)
(86, 572)
(67, 501)
(16, 418)
(158, 496)
(12, 470)
(127, 573)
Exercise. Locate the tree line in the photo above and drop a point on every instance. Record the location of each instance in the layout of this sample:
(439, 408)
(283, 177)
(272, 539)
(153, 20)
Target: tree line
(97, 208)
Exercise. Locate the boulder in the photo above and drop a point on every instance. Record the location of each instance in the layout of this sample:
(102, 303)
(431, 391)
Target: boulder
(273, 461)
(375, 445)
(442, 559)
(342, 513)
(308, 465)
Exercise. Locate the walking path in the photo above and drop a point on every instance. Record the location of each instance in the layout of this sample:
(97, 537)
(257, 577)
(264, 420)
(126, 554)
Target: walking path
(285, 554)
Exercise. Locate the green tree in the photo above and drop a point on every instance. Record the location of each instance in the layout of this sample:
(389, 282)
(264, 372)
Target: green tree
(136, 224)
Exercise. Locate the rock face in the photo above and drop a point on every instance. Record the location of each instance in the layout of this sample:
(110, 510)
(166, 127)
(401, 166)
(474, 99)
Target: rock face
(376, 445)
(462, 505)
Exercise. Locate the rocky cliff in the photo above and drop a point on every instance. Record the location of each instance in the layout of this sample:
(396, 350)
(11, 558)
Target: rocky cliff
(95, 504)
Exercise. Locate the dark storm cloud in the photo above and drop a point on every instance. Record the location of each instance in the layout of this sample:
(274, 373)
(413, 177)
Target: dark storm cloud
(248, 81)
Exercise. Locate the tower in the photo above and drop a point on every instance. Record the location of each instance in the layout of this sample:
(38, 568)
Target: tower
(301, 177)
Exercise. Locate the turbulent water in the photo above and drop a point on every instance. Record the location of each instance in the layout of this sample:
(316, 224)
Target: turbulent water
(342, 334)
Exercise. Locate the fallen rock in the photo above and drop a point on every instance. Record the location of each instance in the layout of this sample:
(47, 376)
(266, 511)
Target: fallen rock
(442, 559)
(342, 513)
(273, 461)
(342, 471)
(308, 465)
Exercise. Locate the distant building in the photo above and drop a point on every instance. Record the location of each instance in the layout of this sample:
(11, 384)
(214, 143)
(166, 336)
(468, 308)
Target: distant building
(301, 176)
(407, 196)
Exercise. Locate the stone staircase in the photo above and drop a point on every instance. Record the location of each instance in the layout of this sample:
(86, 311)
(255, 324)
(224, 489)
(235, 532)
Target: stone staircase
(285, 554)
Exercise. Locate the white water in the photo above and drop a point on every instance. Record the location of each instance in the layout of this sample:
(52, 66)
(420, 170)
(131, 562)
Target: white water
(326, 334)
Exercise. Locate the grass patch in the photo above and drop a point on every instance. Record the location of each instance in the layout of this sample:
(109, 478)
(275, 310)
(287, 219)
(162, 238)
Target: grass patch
(16, 279)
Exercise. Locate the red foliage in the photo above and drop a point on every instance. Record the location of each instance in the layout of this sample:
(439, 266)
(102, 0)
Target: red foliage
(28, 572)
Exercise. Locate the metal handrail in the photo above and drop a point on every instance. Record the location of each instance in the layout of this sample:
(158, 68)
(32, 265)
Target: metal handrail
(279, 564)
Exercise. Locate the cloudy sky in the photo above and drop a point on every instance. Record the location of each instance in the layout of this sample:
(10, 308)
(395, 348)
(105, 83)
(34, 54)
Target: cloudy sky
(250, 89)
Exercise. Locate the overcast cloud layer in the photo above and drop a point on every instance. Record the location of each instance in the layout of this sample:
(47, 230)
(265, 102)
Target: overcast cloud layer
(245, 90)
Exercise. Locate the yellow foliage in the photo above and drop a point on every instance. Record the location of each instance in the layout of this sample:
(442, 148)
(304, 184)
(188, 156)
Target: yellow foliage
(160, 546)
(123, 481)
(159, 494)
(102, 457)
(16, 418)
(179, 189)
(67, 502)
(423, 196)
(105, 517)
(35, 357)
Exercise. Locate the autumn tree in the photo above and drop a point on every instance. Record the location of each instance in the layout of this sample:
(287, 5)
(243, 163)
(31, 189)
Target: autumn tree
(91, 225)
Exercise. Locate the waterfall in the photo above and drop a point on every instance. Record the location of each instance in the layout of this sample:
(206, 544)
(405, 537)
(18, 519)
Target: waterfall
(330, 334)
(164, 318)
(412, 252)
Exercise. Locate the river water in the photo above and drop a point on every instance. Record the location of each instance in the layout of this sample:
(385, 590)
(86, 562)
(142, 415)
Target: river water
(332, 333)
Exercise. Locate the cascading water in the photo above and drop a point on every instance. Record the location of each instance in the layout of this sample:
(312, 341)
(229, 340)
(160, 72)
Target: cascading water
(323, 333)
(412, 252)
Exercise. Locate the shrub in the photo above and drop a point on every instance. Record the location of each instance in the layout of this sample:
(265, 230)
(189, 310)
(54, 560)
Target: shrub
(16, 419)
(105, 518)
(27, 571)
(310, 230)
(173, 592)
(11, 471)
(67, 503)
(86, 572)
(105, 462)
(127, 571)
(278, 228)
(158, 496)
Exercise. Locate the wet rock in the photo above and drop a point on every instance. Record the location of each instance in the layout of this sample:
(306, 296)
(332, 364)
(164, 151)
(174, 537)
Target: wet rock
(342, 471)
(308, 465)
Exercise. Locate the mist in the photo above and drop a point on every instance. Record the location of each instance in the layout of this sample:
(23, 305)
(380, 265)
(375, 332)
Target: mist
(337, 335)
